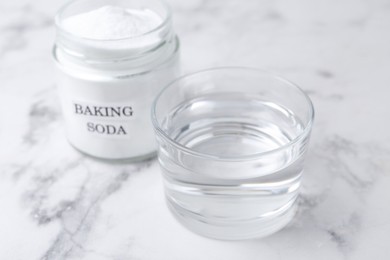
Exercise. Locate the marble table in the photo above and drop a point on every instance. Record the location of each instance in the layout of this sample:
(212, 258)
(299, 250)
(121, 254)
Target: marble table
(58, 204)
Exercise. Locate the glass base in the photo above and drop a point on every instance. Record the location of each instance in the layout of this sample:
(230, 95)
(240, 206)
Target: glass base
(224, 229)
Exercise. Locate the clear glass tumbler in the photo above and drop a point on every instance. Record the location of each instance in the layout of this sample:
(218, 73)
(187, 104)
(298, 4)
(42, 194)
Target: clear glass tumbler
(231, 145)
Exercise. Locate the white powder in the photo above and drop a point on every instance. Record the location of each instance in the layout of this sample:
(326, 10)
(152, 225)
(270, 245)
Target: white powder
(112, 22)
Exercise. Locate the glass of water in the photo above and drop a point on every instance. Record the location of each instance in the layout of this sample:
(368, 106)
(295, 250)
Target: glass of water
(231, 145)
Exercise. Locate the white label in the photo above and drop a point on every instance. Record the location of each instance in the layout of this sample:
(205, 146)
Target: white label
(102, 120)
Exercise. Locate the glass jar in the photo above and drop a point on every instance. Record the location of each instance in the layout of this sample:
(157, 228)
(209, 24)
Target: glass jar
(106, 87)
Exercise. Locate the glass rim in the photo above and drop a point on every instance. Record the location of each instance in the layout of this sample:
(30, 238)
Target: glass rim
(60, 27)
(306, 130)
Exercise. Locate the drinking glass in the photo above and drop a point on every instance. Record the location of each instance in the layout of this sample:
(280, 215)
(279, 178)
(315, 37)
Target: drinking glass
(231, 146)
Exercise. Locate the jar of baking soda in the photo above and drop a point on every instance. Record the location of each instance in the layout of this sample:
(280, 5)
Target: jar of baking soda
(113, 57)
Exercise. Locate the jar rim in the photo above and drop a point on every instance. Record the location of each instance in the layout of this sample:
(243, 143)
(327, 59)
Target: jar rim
(305, 131)
(60, 27)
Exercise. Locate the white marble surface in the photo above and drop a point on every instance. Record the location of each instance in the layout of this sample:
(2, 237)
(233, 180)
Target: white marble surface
(57, 204)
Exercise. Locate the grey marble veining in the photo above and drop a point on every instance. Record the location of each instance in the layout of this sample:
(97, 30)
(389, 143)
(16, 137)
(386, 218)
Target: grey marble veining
(58, 204)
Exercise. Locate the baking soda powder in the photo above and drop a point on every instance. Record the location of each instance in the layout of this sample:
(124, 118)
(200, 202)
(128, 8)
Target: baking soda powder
(112, 22)
(113, 60)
